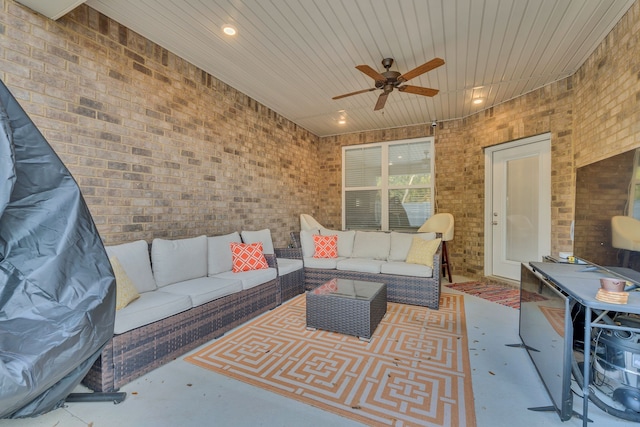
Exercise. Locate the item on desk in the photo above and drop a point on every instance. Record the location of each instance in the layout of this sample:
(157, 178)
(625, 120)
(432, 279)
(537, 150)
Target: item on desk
(612, 284)
(571, 259)
(565, 255)
(612, 297)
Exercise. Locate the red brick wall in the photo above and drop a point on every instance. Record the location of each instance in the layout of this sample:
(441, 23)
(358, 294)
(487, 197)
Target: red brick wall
(162, 149)
(159, 147)
(591, 115)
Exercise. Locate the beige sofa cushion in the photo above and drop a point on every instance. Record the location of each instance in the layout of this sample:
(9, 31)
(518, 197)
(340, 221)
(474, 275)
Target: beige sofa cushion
(324, 263)
(178, 260)
(260, 236)
(371, 244)
(149, 308)
(288, 265)
(250, 278)
(219, 258)
(306, 241)
(405, 269)
(134, 259)
(345, 240)
(204, 289)
(362, 265)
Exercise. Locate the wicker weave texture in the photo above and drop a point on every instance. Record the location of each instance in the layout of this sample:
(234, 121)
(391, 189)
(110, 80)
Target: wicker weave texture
(136, 352)
(291, 284)
(424, 291)
(349, 316)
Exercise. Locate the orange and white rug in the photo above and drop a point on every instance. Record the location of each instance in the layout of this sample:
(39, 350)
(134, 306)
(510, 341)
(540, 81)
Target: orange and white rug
(414, 371)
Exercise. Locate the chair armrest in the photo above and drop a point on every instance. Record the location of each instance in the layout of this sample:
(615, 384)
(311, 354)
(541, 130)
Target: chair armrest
(293, 253)
(295, 239)
(271, 260)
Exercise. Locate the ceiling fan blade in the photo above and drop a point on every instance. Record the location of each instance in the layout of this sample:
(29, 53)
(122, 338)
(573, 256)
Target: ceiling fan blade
(427, 66)
(353, 93)
(371, 73)
(425, 91)
(382, 99)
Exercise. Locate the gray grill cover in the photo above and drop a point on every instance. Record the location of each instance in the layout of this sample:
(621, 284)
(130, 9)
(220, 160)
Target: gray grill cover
(57, 290)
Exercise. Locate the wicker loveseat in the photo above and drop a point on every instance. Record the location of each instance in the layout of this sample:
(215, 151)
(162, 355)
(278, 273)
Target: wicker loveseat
(376, 257)
(188, 295)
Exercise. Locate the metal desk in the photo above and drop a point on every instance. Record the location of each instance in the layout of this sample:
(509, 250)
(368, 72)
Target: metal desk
(581, 283)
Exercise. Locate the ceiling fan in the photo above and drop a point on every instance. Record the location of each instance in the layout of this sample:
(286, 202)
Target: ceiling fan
(389, 80)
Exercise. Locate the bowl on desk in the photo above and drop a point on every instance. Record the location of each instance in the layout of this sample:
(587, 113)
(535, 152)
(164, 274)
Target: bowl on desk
(612, 284)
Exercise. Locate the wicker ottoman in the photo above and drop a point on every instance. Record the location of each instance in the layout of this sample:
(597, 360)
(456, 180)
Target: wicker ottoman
(351, 307)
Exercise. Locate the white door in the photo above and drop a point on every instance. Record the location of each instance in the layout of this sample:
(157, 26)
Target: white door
(518, 206)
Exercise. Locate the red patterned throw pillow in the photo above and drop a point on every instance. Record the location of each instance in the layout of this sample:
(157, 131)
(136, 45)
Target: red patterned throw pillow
(247, 256)
(326, 246)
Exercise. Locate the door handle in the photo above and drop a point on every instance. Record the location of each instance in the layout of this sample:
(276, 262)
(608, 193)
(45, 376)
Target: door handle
(494, 222)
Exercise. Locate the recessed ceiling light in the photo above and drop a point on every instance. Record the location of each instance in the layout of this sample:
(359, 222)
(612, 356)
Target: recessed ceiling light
(342, 117)
(229, 30)
(478, 101)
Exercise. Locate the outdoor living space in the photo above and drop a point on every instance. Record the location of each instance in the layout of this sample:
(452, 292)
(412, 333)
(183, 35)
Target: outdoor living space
(162, 148)
(505, 385)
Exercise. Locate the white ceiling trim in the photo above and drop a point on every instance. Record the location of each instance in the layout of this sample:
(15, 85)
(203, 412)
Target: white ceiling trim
(53, 9)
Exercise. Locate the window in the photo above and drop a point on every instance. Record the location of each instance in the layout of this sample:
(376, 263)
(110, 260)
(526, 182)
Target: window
(387, 186)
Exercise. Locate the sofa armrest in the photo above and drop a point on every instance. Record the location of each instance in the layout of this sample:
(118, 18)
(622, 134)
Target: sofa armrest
(295, 239)
(292, 253)
(271, 260)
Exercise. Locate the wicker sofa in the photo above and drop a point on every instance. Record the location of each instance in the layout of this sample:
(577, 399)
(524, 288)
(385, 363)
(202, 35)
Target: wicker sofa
(188, 295)
(376, 257)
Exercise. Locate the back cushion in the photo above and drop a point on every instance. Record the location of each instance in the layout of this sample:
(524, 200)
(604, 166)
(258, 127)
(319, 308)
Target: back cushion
(219, 257)
(306, 240)
(260, 236)
(134, 259)
(371, 244)
(345, 240)
(401, 243)
(178, 260)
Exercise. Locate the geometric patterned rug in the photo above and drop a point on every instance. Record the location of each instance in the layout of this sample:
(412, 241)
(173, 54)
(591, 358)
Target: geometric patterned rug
(413, 372)
(502, 294)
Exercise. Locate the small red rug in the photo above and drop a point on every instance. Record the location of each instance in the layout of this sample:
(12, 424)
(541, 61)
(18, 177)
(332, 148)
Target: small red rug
(501, 294)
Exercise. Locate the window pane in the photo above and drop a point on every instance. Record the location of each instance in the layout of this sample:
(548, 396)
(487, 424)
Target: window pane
(363, 167)
(362, 210)
(388, 185)
(522, 209)
(409, 164)
(409, 208)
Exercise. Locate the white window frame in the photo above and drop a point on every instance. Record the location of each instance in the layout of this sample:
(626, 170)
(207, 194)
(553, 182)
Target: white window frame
(385, 187)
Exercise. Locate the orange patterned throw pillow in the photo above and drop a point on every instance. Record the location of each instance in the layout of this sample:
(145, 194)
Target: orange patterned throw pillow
(326, 246)
(247, 256)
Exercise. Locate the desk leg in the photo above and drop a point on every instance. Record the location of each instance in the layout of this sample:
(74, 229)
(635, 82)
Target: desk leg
(587, 363)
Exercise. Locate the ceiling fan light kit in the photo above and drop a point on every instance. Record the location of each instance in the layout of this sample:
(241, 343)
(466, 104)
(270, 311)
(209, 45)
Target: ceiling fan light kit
(388, 80)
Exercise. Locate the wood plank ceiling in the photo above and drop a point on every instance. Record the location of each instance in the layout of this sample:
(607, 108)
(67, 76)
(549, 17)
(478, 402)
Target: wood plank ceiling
(295, 55)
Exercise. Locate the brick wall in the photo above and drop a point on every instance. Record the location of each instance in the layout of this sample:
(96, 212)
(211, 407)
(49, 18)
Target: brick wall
(159, 147)
(591, 115)
(162, 149)
(459, 166)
